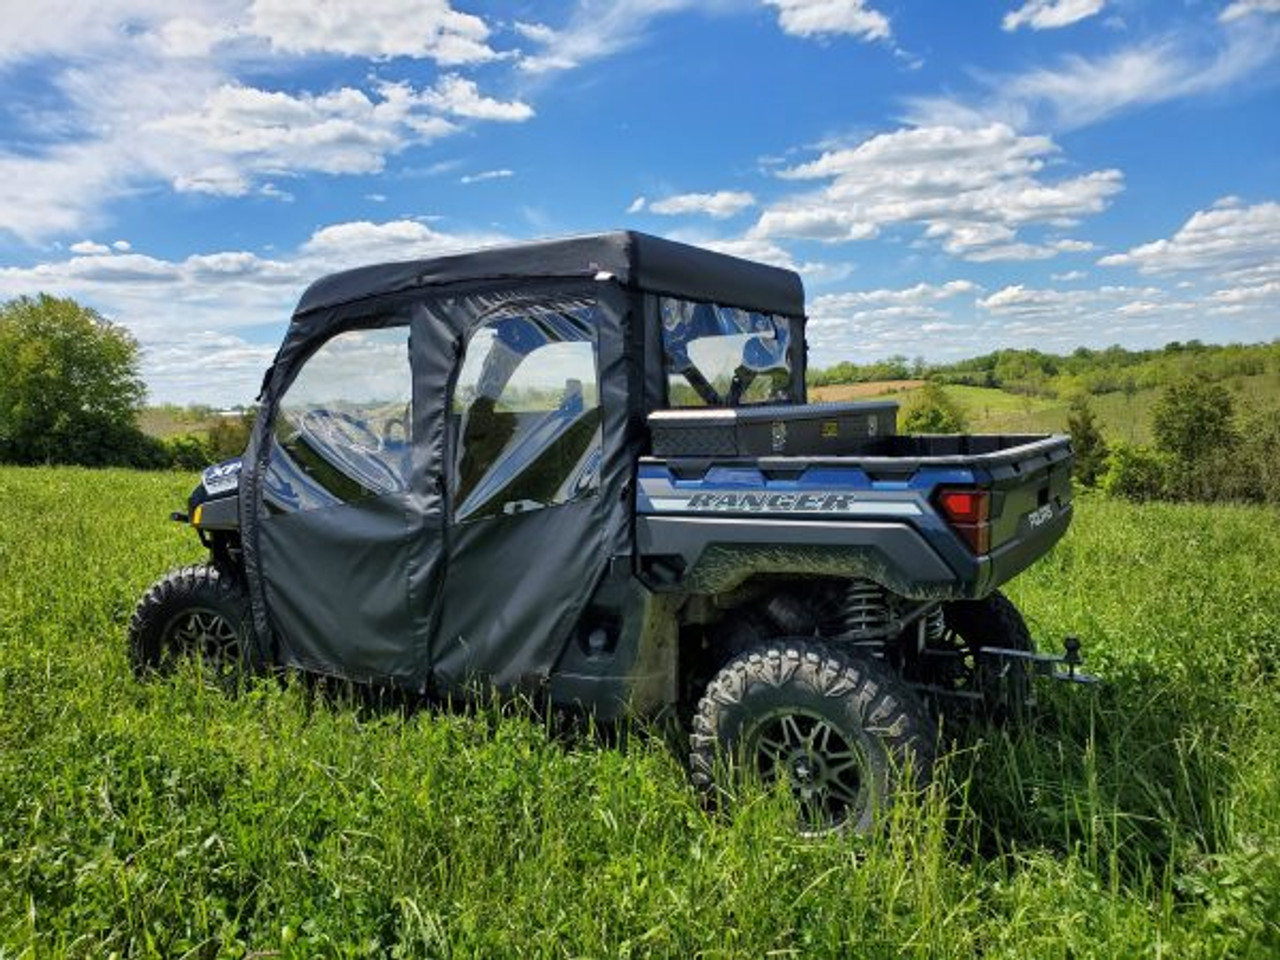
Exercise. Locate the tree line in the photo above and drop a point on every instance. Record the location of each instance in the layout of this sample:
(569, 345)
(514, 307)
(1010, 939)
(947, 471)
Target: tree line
(71, 392)
(1083, 371)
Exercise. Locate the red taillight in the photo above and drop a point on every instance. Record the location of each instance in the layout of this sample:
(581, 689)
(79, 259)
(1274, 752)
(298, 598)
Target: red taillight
(968, 512)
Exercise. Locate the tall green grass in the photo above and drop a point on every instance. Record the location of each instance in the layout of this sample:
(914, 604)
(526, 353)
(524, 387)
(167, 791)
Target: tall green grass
(164, 819)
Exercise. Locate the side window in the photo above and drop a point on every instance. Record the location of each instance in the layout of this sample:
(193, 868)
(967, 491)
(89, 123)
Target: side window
(342, 429)
(526, 414)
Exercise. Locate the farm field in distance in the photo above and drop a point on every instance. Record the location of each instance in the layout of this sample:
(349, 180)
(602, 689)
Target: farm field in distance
(165, 819)
(991, 410)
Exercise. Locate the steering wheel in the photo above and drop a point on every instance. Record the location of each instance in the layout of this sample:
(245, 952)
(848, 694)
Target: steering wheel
(320, 421)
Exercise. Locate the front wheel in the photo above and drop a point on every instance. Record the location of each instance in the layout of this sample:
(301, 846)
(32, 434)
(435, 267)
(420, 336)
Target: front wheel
(199, 612)
(845, 733)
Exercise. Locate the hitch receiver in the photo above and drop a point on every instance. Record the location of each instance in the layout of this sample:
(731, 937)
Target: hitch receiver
(1047, 664)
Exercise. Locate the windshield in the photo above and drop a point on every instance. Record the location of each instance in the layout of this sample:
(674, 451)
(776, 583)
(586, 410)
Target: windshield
(724, 356)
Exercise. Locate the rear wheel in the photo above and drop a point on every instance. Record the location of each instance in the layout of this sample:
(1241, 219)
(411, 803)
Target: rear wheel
(199, 612)
(1000, 688)
(845, 733)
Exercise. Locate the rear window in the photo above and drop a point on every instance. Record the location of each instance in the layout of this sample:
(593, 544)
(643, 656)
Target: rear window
(720, 356)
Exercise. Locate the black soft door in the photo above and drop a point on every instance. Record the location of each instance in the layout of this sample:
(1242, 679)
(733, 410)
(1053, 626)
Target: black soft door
(351, 512)
(524, 535)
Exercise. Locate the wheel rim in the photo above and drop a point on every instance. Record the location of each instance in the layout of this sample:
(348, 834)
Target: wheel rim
(825, 768)
(207, 636)
(997, 688)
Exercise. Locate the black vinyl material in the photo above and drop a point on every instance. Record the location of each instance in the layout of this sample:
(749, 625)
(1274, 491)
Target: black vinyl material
(397, 589)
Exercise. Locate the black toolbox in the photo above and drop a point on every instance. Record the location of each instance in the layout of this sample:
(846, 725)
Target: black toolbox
(815, 429)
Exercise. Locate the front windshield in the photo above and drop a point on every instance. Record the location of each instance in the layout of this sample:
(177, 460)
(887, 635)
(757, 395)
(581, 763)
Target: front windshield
(724, 356)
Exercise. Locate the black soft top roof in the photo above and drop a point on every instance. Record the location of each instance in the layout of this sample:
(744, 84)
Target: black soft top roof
(636, 260)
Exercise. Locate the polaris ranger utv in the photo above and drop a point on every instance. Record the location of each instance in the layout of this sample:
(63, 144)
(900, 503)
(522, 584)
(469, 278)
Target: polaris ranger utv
(586, 469)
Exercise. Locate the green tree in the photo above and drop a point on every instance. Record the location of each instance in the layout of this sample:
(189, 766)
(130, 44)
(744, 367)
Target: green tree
(934, 412)
(228, 436)
(1192, 420)
(69, 387)
(1090, 447)
(1136, 472)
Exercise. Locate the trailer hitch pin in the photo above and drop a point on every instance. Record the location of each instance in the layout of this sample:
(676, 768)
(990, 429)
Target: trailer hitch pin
(1071, 655)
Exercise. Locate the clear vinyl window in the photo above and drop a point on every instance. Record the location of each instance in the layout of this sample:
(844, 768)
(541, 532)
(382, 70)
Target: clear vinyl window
(343, 429)
(526, 412)
(723, 356)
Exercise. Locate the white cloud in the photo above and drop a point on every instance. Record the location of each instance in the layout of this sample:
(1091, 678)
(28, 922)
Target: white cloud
(537, 32)
(815, 18)
(1079, 90)
(971, 189)
(89, 247)
(214, 306)
(123, 246)
(201, 134)
(1248, 294)
(601, 28)
(836, 304)
(1018, 299)
(1051, 14)
(460, 97)
(719, 205)
(359, 242)
(637, 205)
(594, 31)
(373, 28)
(481, 177)
(69, 29)
(241, 133)
(1243, 8)
(1230, 240)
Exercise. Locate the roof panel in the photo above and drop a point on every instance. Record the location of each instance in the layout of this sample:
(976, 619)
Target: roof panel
(635, 259)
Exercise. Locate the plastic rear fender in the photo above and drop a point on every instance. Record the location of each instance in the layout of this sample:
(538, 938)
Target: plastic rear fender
(716, 554)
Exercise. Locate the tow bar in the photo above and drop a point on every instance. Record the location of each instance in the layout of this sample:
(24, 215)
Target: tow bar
(1047, 665)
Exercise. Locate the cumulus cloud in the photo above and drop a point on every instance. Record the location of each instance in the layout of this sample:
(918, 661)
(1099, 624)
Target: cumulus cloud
(817, 18)
(1051, 14)
(971, 189)
(240, 133)
(719, 205)
(461, 97)
(836, 304)
(85, 247)
(1231, 239)
(203, 134)
(373, 28)
(229, 307)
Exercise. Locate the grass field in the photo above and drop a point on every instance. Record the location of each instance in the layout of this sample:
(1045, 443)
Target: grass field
(164, 819)
(1121, 416)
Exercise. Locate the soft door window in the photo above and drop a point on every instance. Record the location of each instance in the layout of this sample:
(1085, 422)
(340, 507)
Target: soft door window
(343, 429)
(526, 413)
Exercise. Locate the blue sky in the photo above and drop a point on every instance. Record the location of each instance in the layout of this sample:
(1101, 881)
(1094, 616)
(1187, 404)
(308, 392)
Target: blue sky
(949, 176)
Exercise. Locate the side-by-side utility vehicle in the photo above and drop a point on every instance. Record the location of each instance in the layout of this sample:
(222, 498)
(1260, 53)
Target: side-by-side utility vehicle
(585, 469)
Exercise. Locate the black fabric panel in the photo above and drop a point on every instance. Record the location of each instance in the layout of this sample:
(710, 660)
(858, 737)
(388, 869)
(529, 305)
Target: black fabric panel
(634, 259)
(692, 273)
(310, 605)
(337, 587)
(516, 586)
(435, 349)
(622, 406)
